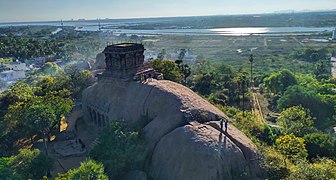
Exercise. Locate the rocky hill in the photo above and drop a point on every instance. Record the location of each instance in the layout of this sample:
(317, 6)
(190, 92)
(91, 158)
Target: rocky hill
(181, 129)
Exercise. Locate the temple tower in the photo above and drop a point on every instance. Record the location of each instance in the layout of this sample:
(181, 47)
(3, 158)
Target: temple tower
(126, 62)
(123, 60)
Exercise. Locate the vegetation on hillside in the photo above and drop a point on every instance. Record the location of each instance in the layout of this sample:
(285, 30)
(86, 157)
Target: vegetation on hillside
(295, 138)
(121, 149)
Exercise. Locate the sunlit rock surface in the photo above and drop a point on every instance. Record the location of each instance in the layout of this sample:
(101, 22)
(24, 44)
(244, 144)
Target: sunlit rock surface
(180, 127)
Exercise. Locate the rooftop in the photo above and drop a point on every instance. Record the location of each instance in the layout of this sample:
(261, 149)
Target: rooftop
(124, 47)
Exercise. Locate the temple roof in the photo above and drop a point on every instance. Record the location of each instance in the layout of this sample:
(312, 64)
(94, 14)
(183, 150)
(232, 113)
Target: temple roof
(124, 47)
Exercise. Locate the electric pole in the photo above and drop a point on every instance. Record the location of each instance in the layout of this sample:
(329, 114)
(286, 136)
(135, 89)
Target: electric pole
(251, 62)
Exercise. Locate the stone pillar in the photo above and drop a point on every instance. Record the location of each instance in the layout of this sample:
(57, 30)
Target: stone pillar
(99, 120)
(91, 115)
(96, 118)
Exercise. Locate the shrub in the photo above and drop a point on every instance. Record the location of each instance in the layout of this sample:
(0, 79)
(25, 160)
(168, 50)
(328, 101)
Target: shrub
(320, 170)
(120, 149)
(88, 170)
(28, 164)
(273, 163)
(320, 145)
(292, 147)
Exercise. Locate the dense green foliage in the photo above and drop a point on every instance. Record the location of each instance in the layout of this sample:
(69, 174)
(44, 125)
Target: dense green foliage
(320, 145)
(50, 69)
(296, 120)
(28, 164)
(313, 54)
(169, 69)
(27, 47)
(308, 98)
(223, 85)
(320, 170)
(274, 163)
(278, 82)
(31, 111)
(292, 147)
(120, 149)
(88, 170)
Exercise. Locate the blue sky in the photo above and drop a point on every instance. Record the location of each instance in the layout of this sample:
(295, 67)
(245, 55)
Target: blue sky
(42, 10)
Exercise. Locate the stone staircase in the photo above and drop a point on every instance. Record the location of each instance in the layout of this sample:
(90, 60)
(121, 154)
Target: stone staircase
(93, 144)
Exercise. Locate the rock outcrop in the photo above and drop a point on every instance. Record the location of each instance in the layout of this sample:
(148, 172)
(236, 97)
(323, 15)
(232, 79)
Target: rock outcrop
(100, 62)
(181, 129)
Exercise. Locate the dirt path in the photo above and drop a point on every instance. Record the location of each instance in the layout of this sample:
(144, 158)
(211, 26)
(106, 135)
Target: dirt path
(295, 39)
(333, 67)
(256, 107)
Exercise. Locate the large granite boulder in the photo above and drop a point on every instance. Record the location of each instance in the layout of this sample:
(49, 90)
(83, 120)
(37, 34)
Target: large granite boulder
(181, 129)
(100, 62)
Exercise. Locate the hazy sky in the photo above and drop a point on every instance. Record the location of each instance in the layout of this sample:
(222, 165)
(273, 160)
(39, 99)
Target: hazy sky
(41, 10)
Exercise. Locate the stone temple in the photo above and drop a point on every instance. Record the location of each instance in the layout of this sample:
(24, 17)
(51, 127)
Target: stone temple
(126, 61)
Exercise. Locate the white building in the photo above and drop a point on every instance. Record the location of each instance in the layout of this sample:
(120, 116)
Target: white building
(11, 75)
(334, 35)
(17, 66)
(13, 72)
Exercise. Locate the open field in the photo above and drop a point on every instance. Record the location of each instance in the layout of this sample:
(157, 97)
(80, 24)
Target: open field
(269, 51)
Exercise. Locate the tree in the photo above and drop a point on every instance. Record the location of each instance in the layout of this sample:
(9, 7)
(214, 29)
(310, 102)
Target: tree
(88, 170)
(162, 54)
(292, 147)
(314, 57)
(50, 69)
(81, 81)
(181, 56)
(203, 83)
(18, 92)
(296, 120)
(308, 98)
(320, 145)
(322, 70)
(169, 69)
(51, 84)
(40, 117)
(120, 149)
(61, 104)
(28, 164)
(279, 82)
(242, 84)
(185, 70)
(320, 170)
(274, 164)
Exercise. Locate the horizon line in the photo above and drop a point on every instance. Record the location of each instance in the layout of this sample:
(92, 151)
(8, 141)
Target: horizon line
(158, 17)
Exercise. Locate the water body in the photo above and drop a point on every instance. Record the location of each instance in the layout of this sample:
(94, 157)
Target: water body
(244, 31)
(56, 31)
